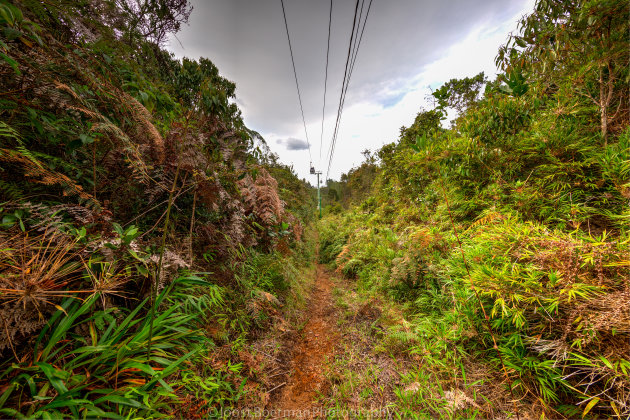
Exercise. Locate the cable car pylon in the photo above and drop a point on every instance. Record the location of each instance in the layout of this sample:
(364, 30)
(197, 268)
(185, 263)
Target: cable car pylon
(319, 196)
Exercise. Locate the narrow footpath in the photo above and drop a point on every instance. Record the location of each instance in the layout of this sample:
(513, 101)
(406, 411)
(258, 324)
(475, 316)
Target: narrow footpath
(313, 349)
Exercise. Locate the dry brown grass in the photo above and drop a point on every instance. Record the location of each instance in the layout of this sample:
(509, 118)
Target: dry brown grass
(36, 272)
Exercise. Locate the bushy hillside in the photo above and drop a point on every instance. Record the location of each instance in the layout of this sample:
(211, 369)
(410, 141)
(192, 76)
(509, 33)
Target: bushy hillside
(143, 239)
(154, 255)
(505, 238)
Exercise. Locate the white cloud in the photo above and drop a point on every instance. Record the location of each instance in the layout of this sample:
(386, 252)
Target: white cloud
(376, 119)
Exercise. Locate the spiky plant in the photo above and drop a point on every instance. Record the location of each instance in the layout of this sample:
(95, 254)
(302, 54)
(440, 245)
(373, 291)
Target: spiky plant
(37, 270)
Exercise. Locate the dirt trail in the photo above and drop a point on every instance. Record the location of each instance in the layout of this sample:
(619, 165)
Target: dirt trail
(314, 346)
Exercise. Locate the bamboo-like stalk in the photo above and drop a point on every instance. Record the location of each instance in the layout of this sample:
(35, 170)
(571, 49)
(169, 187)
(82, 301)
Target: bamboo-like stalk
(159, 266)
(192, 225)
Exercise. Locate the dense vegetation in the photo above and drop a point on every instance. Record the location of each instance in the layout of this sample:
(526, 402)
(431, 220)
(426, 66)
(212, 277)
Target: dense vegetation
(144, 240)
(151, 247)
(504, 239)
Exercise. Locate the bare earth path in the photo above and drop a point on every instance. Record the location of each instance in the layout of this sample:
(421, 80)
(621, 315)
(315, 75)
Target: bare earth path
(313, 348)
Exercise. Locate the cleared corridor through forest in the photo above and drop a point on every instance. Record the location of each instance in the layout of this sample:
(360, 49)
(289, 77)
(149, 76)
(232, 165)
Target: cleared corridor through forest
(314, 348)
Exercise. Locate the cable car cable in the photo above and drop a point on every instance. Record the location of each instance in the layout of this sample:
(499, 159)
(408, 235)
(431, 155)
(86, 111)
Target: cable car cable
(286, 25)
(355, 52)
(343, 84)
(321, 139)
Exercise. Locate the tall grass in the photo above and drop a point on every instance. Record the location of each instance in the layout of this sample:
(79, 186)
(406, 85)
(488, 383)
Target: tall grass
(88, 362)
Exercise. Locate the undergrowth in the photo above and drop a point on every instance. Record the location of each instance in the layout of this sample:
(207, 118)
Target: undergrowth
(144, 241)
(503, 239)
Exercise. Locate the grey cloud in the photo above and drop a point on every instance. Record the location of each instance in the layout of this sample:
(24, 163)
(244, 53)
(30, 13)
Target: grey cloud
(293, 144)
(246, 39)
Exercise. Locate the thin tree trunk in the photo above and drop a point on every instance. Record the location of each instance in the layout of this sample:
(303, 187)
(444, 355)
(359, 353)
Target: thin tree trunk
(192, 225)
(603, 107)
(606, 90)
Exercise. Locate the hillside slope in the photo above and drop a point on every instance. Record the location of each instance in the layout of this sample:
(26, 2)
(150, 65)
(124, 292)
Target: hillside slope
(156, 260)
(500, 245)
(144, 240)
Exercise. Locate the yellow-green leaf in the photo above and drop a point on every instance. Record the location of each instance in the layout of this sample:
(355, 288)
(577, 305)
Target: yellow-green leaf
(590, 405)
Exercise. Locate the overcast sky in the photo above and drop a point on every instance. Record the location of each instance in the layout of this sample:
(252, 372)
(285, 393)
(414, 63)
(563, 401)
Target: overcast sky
(408, 46)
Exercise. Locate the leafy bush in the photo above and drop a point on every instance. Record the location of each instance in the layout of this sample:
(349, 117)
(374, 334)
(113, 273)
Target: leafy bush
(519, 212)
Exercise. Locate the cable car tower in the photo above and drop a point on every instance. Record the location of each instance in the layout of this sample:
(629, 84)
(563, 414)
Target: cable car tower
(319, 196)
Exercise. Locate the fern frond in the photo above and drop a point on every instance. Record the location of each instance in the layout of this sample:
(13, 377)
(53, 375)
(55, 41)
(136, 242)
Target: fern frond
(34, 169)
(134, 157)
(400, 336)
(145, 128)
(10, 191)
(53, 161)
(8, 132)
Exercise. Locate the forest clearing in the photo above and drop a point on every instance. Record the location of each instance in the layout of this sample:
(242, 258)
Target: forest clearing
(159, 260)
